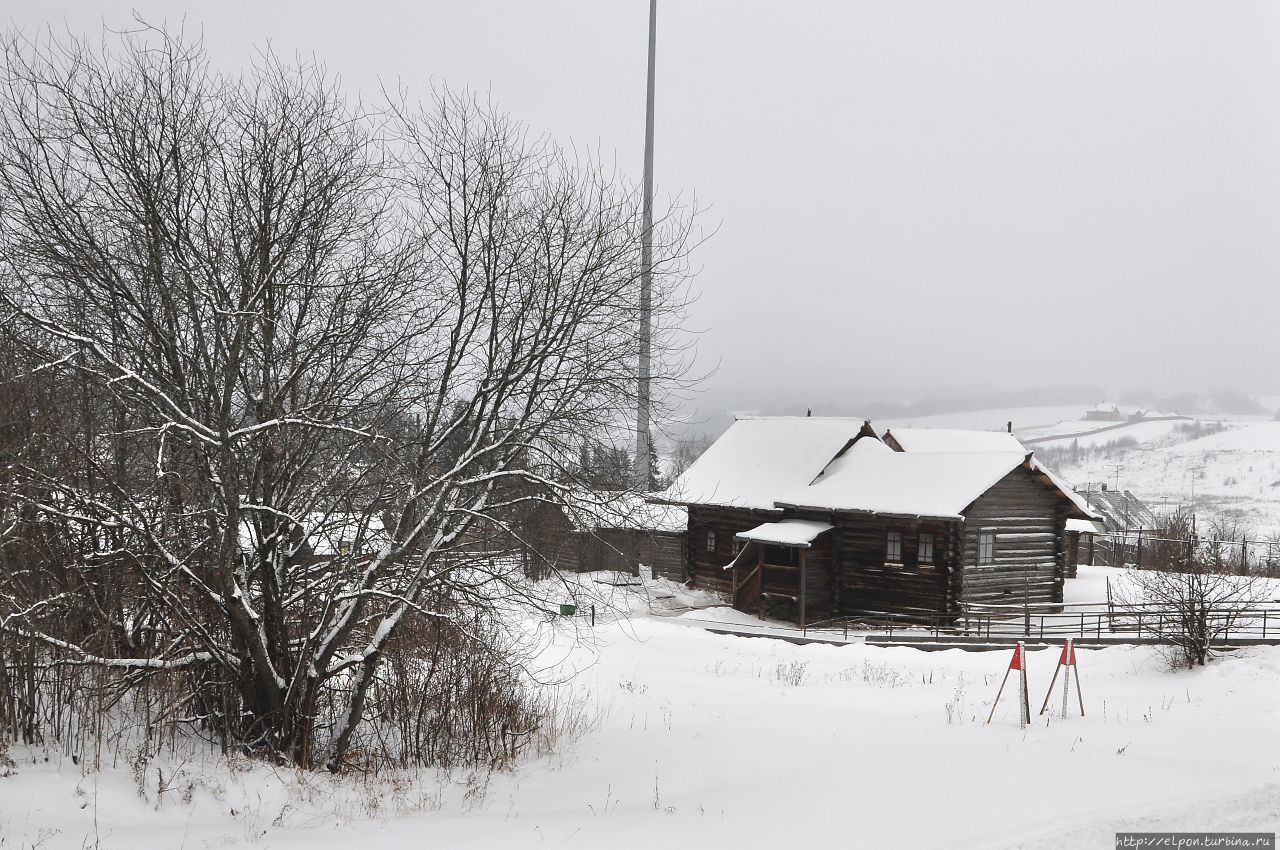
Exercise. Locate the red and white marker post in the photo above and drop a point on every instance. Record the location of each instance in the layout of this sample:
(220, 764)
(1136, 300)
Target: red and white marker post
(1019, 663)
(1067, 660)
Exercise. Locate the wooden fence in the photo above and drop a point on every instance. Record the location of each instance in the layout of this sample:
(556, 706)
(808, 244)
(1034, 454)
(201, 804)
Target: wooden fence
(1144, 548)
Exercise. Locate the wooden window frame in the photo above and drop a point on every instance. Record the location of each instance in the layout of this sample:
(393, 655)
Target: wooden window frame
(889, 536)
(711, 540)
(932, 540)
(986, 559)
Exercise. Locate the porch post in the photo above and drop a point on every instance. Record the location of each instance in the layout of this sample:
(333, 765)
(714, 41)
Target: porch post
(760, 577)
(803, 567)
(733, 576)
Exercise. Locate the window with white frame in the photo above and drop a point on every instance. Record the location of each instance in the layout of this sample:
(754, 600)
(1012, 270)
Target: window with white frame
(986, 547)
(711, 540)
(893, 547)
(924, 553)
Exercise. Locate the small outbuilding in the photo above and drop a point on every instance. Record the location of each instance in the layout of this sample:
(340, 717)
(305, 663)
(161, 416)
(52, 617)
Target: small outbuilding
(623, 531)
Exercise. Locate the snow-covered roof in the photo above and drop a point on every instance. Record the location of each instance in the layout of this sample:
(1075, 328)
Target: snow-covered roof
(1089, 526)
(1078, 501)
(809, 463)
(1119, 510)
(758, 459)
(933, 484)
(954, 440)
(625, 510)
(787, 532)
(929, 440)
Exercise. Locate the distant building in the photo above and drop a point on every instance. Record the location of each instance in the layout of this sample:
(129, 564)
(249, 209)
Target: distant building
(1105, 412)
(621, 531)
(604, 530)
(1117, 512)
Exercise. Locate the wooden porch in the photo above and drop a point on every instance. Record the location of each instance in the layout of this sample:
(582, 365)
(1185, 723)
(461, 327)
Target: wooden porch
(767, 574)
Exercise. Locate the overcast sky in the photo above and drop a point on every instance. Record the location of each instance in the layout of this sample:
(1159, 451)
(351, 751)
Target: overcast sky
(993, 194)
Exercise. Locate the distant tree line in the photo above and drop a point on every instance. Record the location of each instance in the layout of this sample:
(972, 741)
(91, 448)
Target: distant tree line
(1219, 401)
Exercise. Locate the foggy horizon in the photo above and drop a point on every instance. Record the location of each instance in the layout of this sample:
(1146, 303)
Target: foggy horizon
(915, 197)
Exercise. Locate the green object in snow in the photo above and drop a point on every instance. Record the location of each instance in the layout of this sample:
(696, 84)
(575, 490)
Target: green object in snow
(568, 610)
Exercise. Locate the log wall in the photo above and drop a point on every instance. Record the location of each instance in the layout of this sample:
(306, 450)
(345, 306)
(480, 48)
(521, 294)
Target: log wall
(666, 555)
(865, 581)
(706, 566)
(624, 550)
(1029, 521)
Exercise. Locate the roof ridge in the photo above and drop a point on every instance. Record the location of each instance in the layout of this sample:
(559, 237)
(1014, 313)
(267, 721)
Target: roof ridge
(755, 418)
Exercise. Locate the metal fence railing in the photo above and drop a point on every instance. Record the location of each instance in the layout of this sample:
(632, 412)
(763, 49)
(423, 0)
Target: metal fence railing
(1254, 622)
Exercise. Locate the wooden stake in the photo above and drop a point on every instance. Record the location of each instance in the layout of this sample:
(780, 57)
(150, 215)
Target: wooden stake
(1068, 653)
(1003, 682)
(1054, 681)
(1024, 709)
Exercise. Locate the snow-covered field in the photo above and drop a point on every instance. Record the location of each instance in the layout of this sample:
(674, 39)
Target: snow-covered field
(1234, 472)
(704, 740)
(1023, 418)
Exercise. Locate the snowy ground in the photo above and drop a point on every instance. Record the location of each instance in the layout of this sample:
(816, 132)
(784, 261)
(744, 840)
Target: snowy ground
(707, 740)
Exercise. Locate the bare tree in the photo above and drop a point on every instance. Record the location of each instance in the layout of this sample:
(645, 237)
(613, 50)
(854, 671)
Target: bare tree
(687, 450)
(1224, 546)
(1190, 597)
(281, 315)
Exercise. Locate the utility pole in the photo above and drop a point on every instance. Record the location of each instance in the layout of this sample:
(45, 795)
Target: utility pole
(1194, 471)
(643, 480)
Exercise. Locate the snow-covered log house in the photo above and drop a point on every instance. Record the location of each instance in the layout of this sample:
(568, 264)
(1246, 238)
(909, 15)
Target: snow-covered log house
(811, 518)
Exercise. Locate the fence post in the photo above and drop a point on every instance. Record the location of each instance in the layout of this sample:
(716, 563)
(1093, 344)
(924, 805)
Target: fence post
(1264, 624)
(1139, 551)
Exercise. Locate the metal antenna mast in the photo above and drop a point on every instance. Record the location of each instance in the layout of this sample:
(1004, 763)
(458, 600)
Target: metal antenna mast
(643, 480)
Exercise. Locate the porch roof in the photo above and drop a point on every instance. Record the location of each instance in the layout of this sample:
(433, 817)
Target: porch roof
(787, 532)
